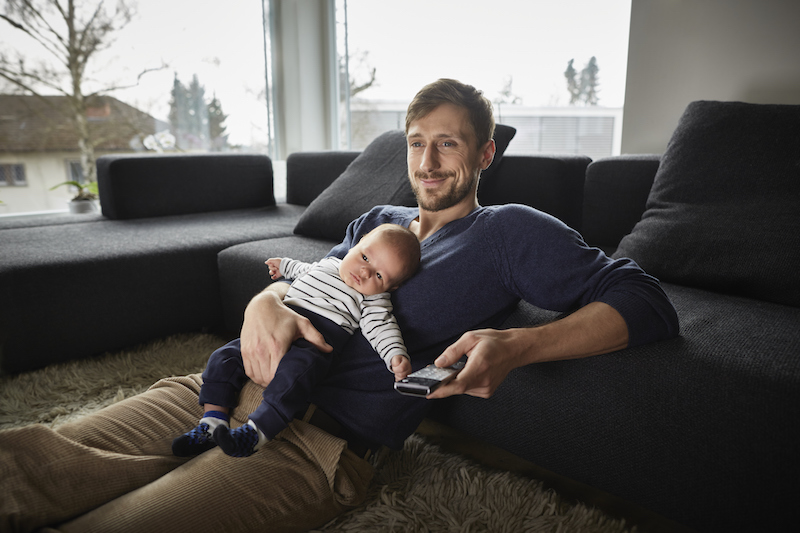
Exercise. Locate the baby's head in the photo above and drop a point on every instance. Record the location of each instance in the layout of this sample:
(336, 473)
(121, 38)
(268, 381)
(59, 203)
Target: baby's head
(382, 260)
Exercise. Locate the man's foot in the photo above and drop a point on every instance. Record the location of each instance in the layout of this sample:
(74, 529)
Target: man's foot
(193, 442)
(240, 442)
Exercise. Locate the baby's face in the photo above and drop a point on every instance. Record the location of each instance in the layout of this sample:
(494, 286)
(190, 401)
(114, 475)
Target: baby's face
(372, 266)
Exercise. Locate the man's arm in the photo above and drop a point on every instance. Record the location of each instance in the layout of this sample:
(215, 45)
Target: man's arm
(269, 329)
(594, 329)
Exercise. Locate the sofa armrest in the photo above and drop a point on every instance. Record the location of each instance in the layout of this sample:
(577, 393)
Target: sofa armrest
(310, 173)
(615, 196)
(140, 186)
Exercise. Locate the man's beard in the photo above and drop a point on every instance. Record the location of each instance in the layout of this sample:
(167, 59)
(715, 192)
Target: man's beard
(442, 199)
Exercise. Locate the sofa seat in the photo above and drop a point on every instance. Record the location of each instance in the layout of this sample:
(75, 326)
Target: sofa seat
(79, 288)
(668, 423)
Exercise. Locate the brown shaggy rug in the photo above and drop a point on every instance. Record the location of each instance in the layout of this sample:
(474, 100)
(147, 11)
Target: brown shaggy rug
(421, 488)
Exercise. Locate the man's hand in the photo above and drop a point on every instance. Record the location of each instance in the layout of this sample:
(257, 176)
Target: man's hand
(486, 368)
(269, 329)
(594, 329)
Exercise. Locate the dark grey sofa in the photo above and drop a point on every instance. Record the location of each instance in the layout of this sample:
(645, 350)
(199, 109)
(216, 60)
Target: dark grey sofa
(702, 429)
(76, 285)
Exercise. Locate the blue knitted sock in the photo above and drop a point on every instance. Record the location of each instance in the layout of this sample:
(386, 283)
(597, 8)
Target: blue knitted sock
(240, 442)
(199, 439)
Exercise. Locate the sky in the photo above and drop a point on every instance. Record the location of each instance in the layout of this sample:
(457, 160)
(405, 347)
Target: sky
(483, 43)
(409, 44)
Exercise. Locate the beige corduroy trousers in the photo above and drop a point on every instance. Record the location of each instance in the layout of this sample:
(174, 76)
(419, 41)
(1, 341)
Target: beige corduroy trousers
(114, 471)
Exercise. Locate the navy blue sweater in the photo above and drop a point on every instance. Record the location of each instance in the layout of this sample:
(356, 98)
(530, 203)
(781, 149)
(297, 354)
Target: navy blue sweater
(473, 273)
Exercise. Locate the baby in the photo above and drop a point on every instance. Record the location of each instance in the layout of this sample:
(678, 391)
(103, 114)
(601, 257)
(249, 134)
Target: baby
(339, 296)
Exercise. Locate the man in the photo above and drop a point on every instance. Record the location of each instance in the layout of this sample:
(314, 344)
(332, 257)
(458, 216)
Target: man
(476, 265)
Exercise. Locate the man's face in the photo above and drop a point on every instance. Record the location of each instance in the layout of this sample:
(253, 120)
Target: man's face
(444, 161)
(372, 266)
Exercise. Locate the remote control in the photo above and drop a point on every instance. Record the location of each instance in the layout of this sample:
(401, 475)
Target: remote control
(426, 380)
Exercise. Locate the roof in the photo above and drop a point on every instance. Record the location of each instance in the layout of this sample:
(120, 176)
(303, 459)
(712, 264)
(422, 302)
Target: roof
(43, 124)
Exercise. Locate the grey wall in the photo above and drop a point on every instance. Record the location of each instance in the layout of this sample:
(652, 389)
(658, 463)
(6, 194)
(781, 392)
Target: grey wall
(686, 50)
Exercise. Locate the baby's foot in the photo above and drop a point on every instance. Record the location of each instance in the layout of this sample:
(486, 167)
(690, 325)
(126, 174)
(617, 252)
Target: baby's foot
(200, 439)
(193, 442)
(240, 442)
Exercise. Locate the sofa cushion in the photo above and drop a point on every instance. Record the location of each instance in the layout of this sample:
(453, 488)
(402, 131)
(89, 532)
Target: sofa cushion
(140, 186)
(722, 212)
(379, 176)
(243, 274)
(615, 197)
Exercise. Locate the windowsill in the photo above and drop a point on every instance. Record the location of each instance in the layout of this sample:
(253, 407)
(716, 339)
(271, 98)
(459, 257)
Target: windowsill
(34, 213)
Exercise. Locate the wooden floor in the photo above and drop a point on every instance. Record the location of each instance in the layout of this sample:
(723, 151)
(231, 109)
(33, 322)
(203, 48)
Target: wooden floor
(492, 456)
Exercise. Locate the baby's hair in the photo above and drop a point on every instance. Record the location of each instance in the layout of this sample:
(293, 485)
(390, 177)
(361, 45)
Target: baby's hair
(405, 242)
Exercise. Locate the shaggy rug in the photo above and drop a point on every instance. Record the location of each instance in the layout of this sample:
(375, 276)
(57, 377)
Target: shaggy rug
(421, 488)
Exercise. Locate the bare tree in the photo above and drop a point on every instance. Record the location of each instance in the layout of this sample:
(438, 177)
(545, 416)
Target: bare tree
(361, 75)
(71, 33)
(507, 95)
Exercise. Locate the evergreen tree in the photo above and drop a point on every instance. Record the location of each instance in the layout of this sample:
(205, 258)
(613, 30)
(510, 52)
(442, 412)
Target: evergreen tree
(589, 82)
(583, 89)
(216, 126)
(196, 125)
(572, 84)
(198, 114)
(178, 106)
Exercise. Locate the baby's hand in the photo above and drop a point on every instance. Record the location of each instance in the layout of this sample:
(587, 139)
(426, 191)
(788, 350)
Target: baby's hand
(274, 265)
(401, 367)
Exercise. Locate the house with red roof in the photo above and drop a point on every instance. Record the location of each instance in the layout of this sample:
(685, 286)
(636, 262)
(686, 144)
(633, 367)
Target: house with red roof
(39, 146)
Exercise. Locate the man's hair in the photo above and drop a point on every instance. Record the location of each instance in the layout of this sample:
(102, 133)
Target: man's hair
(405, 242)
(448, 91)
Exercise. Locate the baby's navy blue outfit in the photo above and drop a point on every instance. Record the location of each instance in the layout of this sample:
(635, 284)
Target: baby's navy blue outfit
(287, 395)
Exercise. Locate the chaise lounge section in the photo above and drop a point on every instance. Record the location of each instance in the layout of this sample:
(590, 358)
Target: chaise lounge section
(76, 285)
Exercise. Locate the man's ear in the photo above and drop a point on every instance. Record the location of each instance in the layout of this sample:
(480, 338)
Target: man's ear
(487, 154)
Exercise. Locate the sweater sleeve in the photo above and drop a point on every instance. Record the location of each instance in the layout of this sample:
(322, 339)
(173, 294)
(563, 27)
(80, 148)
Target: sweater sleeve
(548, 264)
(380, 328)
(294, 268)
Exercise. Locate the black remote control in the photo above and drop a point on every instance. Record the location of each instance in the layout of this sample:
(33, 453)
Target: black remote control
(426, 380)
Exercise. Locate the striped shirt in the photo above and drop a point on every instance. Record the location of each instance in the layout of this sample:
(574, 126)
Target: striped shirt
(319, 288)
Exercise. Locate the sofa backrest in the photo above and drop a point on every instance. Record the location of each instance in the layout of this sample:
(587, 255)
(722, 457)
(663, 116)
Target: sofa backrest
(310, 173)
(139, 186)
(553, 184)
(615, 196)
(549, 183)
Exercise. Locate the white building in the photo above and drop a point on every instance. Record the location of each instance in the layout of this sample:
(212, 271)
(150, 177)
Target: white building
(39, 146)
(591, 131)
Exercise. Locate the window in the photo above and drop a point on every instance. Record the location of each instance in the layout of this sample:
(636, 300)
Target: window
(75, 171)
(177, 76)
(12, 176)
(520, 54)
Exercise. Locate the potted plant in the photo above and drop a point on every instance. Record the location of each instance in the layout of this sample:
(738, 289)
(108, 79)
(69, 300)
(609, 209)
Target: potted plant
(86, 199)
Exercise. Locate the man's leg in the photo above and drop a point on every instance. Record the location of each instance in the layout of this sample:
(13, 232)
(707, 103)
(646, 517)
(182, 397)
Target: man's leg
(300, 480)
(49, 475)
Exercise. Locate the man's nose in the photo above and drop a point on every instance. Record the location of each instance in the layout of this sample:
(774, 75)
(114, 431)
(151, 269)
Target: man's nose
(429, 160)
